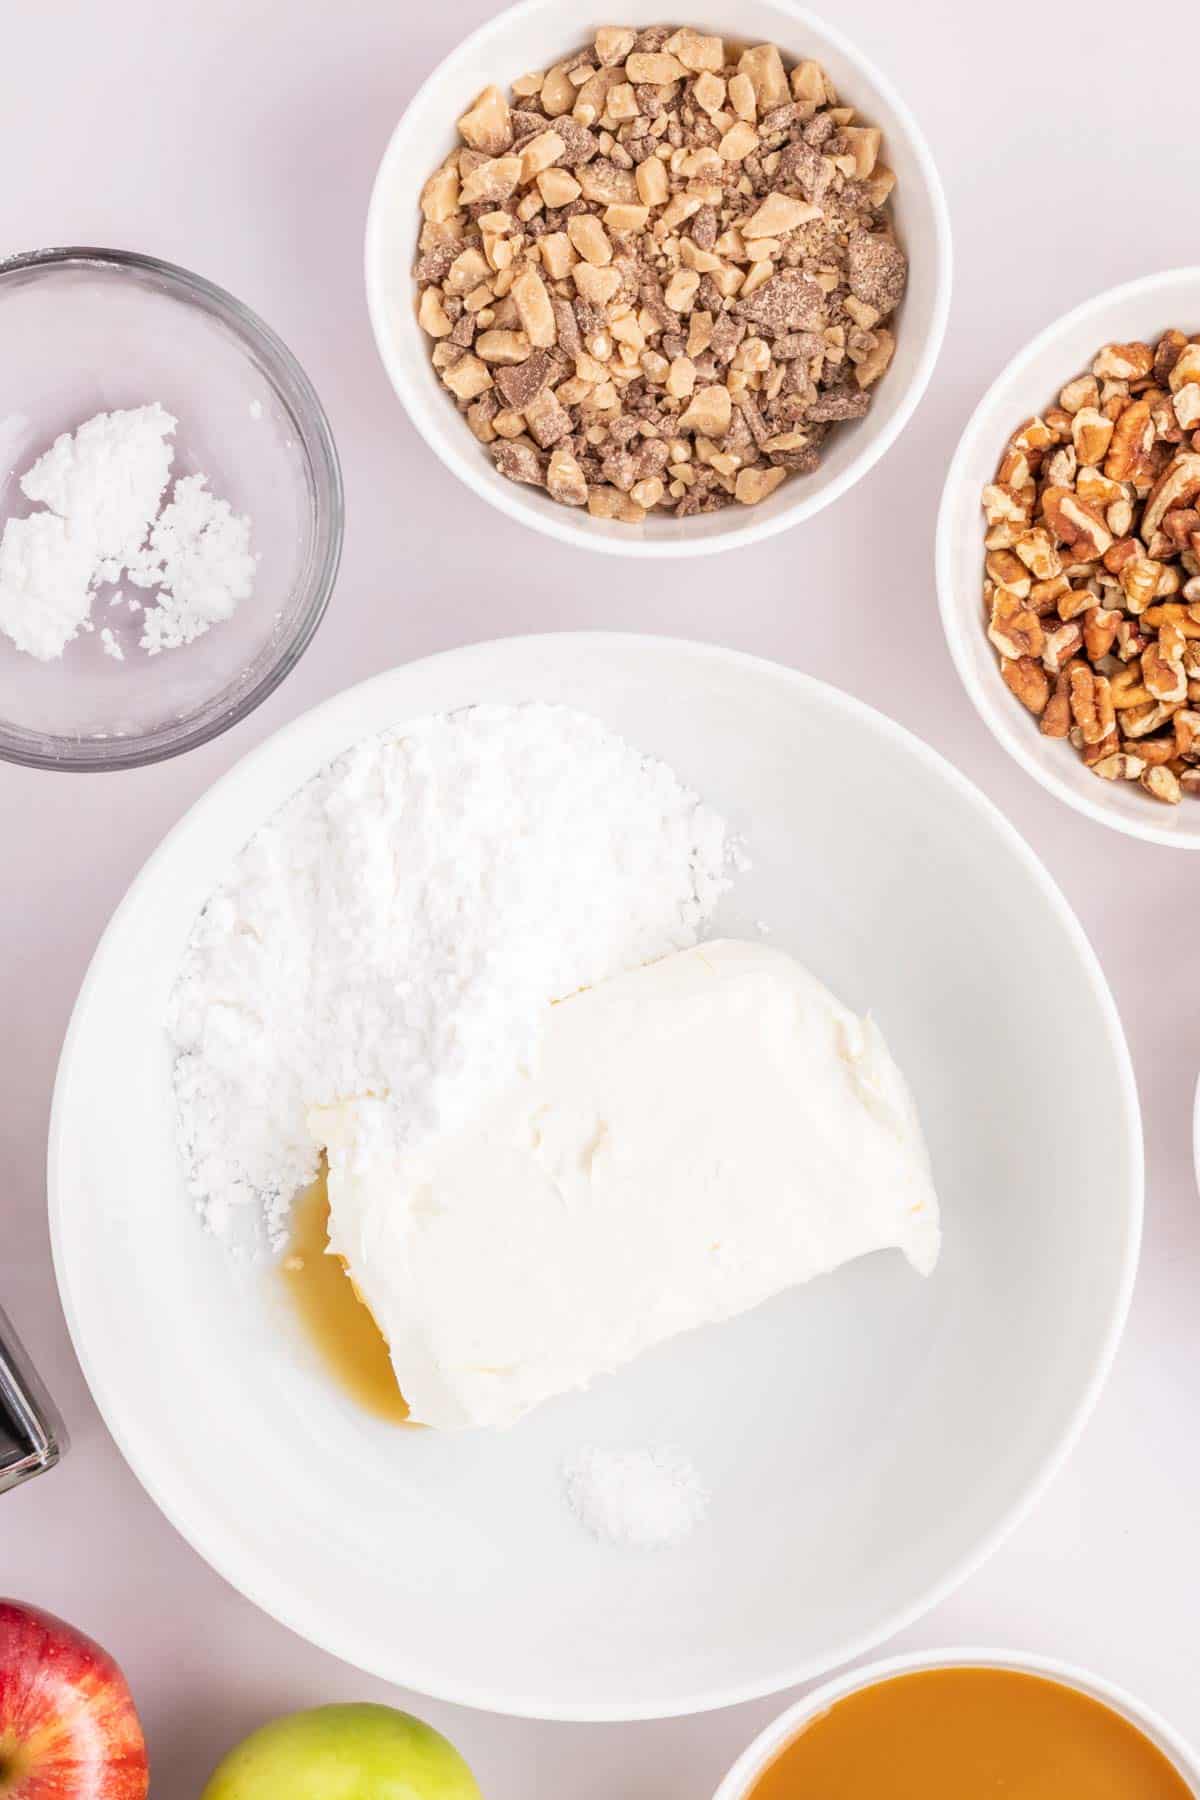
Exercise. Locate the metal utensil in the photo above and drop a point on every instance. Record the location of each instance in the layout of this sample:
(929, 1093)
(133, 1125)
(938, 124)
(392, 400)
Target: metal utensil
(32, 1436)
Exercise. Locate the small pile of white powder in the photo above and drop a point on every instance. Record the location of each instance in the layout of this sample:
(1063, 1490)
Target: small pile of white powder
(101, 488)
(106, 483)
(638, 1499)
(45, 585)
(199, 557)
(395, 933)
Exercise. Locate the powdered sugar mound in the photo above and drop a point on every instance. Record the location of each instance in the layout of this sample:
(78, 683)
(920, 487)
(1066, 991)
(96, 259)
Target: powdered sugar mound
(103, 486)
(395, 932)
(199, 551)
(639, 1499)
(45, 592)
(107, 480)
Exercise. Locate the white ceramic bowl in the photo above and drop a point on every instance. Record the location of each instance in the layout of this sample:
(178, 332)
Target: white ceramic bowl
(1030, 383)
(867, 1440)
(537, 33)
(781, 1732)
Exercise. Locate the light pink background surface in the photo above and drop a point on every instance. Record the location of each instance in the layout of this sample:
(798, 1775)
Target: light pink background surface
(240, 138)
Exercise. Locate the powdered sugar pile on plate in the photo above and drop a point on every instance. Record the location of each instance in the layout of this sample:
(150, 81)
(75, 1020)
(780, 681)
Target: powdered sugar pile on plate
(394, 934)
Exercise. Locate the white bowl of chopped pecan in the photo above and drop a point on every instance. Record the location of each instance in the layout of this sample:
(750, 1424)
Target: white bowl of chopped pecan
(1068, 558)
(653, 289)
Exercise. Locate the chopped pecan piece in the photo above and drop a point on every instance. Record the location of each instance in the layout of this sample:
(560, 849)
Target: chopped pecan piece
(1076, 523)
(1059, 647)
(1056, 717)
(1036, 550)
(1091, 703)
(1124, 362)
(1162, 666)
(1013, 629)
(1153, 751)
(1129, 453)
(1121, 766)
(1010, 571)
(1187, 735)
(1178, 485)
(1092, 434)
(1028, 681)
(1100, 631)
(1163, 784)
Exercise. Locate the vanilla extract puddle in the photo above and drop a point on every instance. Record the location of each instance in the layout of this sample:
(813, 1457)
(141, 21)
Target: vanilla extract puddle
(337, 1323)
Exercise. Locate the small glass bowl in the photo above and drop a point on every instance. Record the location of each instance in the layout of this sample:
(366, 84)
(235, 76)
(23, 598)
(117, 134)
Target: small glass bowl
(84, 331)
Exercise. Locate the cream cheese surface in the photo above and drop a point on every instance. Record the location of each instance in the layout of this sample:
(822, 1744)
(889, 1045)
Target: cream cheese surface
(691, 1138)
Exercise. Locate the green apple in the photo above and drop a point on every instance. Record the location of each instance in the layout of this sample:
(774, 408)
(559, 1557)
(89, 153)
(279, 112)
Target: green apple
(359, 1752)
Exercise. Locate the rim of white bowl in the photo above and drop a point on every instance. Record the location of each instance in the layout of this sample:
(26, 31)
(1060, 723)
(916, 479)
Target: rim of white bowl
(213, 1540)
(960, 612)
(774, 1737)
(490, 486)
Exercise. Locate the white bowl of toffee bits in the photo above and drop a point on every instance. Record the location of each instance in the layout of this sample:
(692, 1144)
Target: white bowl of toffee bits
(1068, 558)
(659, 286)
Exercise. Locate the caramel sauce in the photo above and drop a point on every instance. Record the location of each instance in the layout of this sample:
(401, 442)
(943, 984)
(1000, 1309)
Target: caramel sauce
(337, 1322)
(962, 1734)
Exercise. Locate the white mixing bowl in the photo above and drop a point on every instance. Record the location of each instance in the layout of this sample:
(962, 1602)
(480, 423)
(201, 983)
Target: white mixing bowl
(540, 32)
(1031, 382)
(867, 1439)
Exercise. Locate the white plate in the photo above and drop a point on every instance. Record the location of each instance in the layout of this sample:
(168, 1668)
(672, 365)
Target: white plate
(867, 1440)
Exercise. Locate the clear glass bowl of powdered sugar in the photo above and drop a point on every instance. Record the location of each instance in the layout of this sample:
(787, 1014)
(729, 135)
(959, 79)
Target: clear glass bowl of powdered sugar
(170, 510)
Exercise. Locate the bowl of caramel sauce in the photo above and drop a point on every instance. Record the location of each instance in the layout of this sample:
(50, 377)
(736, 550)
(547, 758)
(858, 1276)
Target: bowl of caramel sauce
(946, 1725)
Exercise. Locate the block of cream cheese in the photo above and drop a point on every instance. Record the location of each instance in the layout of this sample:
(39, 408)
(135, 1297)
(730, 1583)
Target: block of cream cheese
(695, 1136)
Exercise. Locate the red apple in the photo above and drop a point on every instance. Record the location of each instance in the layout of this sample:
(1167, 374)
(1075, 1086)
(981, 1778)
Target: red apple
(68, 1727)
